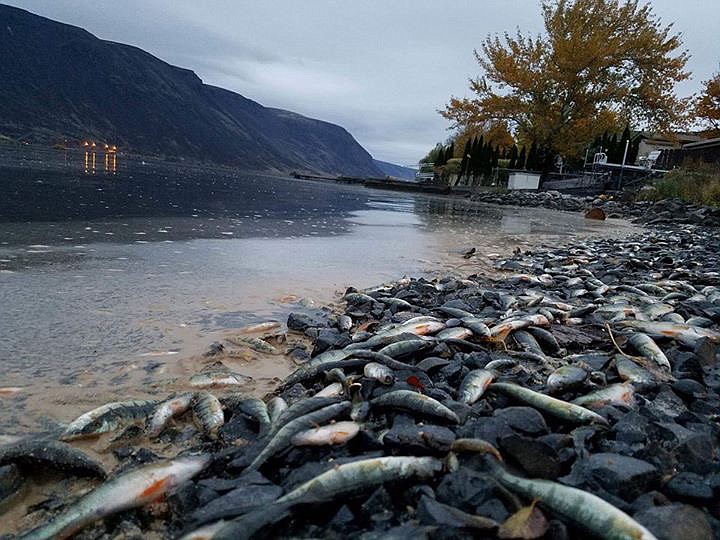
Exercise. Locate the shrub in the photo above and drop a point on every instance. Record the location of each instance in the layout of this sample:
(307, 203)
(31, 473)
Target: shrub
(694, 182)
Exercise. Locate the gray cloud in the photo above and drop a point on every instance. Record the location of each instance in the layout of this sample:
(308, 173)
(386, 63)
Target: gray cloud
(379, 68)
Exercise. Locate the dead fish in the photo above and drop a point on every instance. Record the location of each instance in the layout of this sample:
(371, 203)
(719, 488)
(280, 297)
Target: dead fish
(360, 476)
(615, 394)
(345, 322)
(132, 489)
(474, 384)
(218, 378)
(252, 407)
(276, 406)
(208, 414)
(458, 332)
(649, 349)
(109, 417)
(337, 433)
(414, 402)
(501, 364)
(631, 372)
(9, 391)
(477, 326)
(397, 303)
(265, 326)
(281, 438)
(253, 343)
(11, 480)
(546, 340)
(301, 408)
(360, 408)
(359, 298)
(561, 409)
(564, 378)
(331, 390)
(588, 511)
(379, 372)
(683, 333)
(527, 342)
(51, 454)
(406, 347)
(500, 331)
(168, 409)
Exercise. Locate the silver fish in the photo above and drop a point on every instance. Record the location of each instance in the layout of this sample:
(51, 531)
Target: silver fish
(474, 384)
(218, 378)
(564, 378)
(168, 409)
(561, 409)
(379, 372)
(109, 417)
(415, 402)
(649, 349)
(129, 490)
(281, 439)
(337, 433)
(208, 414)
(359, 476)
(586, 510)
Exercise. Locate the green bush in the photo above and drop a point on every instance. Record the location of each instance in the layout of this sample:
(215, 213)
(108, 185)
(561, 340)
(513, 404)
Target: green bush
(697, 183)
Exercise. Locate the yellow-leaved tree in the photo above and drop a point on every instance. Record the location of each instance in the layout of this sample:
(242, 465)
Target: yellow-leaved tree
(707, 108)
(599, 65)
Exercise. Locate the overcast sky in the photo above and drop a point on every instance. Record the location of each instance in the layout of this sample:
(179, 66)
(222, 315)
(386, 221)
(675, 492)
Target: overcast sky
(380, 68)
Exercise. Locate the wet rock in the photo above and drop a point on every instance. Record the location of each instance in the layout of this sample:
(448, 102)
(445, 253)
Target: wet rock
(538, 459)
(330, 338)
(488, 429)
(705, 351)
(675, 521)
(302, 321)
(689, 487)
(523, 419)
(696, 453)
(431, 512)
(238, 501)
(465, 489)
(624, 476)
(689, 389)
(378, 503)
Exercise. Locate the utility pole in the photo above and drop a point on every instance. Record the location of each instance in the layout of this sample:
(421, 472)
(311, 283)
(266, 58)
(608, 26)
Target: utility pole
(622, 167)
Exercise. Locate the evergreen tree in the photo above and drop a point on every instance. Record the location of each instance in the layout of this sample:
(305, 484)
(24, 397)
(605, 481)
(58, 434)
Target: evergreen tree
(513, 157)
(532, 158)
(521, 160)
(450, 153)
(613, 150)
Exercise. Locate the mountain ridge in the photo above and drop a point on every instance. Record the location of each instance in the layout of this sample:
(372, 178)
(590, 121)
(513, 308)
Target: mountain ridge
(59, 81)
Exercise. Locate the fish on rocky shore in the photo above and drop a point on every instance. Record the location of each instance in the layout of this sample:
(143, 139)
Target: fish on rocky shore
(39, 454)
(208, 414)
(414, 402)
(570, 412)
(256, 344)
(129, 490)
(649, 349)
(564, 378)
(586, 510)
(337, 433)
(168, 409)
(474, 384)
(218, 378)
(282, 438)
(109, 417)
(615, 394)
(379, 372)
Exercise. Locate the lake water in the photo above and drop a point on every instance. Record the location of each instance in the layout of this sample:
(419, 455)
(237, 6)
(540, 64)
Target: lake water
(104, 308)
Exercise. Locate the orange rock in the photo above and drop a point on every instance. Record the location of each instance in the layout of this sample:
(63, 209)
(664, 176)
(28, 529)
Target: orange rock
(595, 213)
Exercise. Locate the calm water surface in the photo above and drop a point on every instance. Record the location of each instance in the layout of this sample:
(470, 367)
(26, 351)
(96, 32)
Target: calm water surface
(84, 302)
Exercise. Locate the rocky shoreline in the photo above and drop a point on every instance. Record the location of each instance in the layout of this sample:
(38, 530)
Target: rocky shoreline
(438, 409)
(645, 212)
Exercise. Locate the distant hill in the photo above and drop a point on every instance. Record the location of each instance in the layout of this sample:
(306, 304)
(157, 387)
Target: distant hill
(396, 171)
(60, 82)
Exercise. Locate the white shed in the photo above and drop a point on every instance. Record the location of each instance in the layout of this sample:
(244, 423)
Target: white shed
(523, 180)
